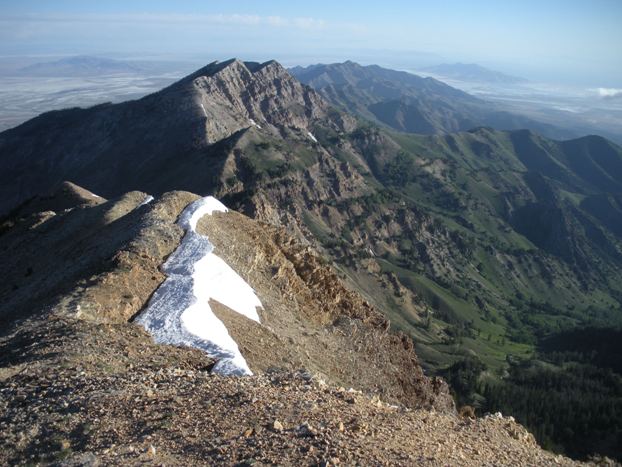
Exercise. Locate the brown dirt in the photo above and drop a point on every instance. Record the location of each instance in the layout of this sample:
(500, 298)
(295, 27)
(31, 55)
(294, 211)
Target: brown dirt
(104, 258)
(74, 392)
(311, 319)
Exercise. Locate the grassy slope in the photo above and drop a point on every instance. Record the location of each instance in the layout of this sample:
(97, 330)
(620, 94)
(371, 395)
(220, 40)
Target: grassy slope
(486, 289)
(475, 171)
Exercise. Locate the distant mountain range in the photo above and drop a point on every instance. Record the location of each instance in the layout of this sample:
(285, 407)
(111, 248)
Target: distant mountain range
(407, 102)
(79, 66)
(89, 66)
(472, 72)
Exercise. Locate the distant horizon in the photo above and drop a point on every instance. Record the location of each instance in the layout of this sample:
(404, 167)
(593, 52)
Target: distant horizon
(419, 65)
(27, 91)
(563, 41)
(417, 61)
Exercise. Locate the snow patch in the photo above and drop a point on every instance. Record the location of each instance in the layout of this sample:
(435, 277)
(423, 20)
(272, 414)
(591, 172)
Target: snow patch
(201, 207)
(310, 135)
(204, 111)
(254, 123)
(179, 312)
(148, 199)
(221, 283)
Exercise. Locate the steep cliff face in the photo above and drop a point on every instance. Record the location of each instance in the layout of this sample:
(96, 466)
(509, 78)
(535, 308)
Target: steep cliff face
(240, 93)
(311, 318)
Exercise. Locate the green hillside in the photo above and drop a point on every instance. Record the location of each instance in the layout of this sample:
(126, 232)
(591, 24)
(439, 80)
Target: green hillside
(475, 243)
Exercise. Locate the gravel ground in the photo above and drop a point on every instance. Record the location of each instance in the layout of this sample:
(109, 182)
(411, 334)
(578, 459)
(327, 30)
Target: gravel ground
(79, 393)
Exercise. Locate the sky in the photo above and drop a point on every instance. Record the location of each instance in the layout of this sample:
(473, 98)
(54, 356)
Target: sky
(577, 41)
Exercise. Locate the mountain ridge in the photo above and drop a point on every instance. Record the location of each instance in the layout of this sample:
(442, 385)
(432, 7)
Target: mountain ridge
(474, 244)
(147, 127)
(251, 168)
(429, 105)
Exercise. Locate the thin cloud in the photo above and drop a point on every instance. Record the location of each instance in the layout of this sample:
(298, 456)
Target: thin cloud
(306, 23)
(222, 19)
(309, 23)
(609, 93)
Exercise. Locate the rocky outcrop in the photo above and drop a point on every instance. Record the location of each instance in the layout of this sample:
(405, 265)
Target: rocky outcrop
(311, 320)
(169, 410)
(235, 95)
(96, 260)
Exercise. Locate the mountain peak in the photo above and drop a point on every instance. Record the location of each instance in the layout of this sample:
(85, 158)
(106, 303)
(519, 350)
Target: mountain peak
(591, 139)
(207, 106)
(234, 95)
(213, 68)
(235, 65)
(257, 66)
(72, 191)
(62, 196)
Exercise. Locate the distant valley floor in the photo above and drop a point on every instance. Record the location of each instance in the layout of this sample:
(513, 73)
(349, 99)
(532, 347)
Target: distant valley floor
(24, 98)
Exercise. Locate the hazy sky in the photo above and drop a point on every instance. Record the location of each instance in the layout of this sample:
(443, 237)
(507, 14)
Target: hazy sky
(563, 40)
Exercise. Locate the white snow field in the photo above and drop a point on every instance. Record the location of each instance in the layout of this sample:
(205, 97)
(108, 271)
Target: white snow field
(148, 199)
(254, 123)
(179, 312)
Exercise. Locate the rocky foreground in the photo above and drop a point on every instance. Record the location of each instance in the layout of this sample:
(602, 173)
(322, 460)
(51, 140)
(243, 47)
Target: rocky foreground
(80, 393)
